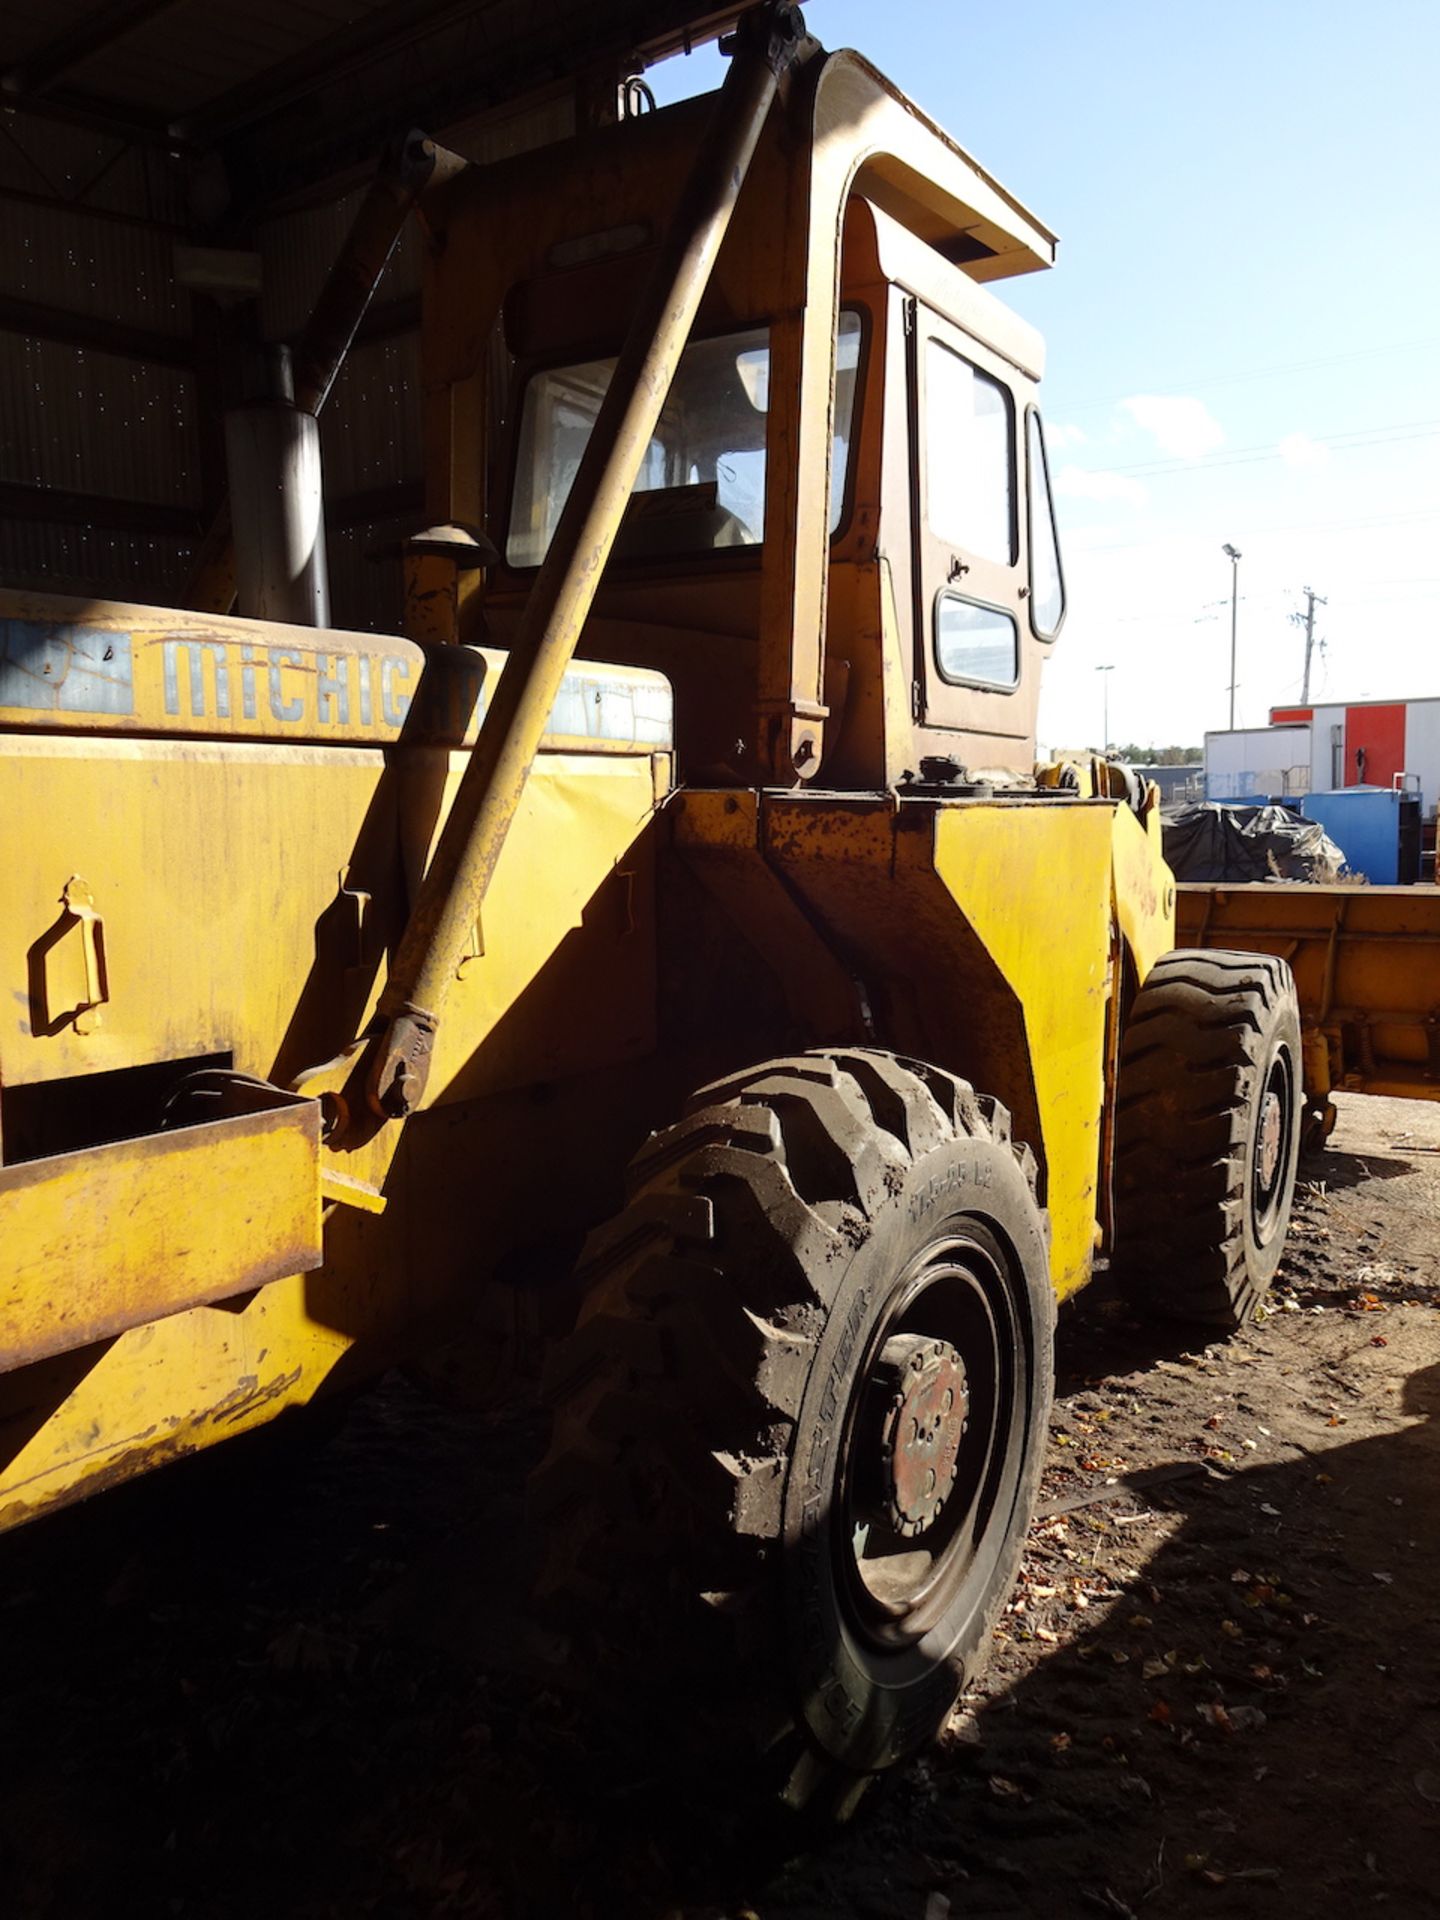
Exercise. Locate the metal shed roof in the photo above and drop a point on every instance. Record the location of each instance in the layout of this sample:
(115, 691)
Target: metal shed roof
(195, 74)
(128, 126)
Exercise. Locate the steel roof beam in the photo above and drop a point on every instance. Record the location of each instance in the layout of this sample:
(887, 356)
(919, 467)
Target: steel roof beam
(323, 63)
(108, 117)
(94, 333)
(92, 34)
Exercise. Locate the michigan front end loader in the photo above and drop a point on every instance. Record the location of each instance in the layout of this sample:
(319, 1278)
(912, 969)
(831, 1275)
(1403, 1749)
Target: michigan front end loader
(679, 888)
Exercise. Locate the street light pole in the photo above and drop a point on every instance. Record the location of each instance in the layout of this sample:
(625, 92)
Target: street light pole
(1234, 604)
(1105, 704)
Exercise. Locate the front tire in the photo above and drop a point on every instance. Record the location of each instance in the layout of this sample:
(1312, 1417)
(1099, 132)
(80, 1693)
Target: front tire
(799, 1429)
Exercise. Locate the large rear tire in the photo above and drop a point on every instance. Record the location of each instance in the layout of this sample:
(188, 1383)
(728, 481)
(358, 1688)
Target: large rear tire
(1207, 1134)
(799, 1429)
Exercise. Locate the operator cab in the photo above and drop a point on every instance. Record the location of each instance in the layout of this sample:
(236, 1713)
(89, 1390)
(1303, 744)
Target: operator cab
(892, 468)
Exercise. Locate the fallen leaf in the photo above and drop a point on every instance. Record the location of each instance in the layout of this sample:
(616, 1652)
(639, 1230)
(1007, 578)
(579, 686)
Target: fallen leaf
(1160, 1713)
(1215, 1715)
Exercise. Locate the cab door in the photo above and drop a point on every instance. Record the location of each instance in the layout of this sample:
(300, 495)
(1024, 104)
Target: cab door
(969, 544)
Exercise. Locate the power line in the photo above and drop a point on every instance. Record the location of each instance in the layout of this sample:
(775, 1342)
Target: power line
(1181, 389)
(1405, 517)
(1245, 456)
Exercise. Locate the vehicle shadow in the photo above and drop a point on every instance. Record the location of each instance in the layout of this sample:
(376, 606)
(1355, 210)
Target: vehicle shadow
(316, 1690)
(1336, 1168)
(1252, 1717)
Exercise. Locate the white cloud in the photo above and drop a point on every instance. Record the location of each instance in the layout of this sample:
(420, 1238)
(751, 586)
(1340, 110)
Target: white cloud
(1299, 450)
(1059, 435)
(1183, 428)
(1088, 483)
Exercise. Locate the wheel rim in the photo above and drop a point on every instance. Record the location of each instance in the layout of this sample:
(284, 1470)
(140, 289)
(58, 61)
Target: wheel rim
(1270, 1155)
(926, 1438)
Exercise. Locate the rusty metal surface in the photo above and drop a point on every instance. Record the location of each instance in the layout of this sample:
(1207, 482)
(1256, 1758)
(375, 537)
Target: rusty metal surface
(923, 1427)
(1366, 962)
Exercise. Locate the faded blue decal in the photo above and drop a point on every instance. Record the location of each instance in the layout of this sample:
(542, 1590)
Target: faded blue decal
(51, 668)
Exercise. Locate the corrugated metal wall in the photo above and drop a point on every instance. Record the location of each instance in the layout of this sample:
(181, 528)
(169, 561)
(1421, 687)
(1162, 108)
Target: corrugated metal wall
(102, 471)
(87, 230)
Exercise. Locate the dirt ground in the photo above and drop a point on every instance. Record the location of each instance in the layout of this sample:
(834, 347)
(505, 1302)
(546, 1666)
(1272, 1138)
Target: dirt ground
(316, 1692)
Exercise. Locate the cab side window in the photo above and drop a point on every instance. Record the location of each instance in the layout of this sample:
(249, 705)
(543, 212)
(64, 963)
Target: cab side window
(975, 645)
(970, 456)
(1047, 577)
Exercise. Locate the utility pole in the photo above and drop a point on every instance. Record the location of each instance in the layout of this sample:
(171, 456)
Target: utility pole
(1105, 704)
(1307, 621)
(1234, 604)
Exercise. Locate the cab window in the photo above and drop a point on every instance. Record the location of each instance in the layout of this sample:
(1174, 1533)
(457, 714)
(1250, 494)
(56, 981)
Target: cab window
(969, 456)
(975, 645)
(1047, 580)
(701, 485)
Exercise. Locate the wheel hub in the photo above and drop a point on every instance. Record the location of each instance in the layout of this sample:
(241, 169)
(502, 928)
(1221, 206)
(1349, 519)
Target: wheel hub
(1272, 1127)
(927, 1405)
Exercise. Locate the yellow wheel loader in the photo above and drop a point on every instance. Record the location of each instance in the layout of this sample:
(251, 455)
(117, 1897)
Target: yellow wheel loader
(679, 883)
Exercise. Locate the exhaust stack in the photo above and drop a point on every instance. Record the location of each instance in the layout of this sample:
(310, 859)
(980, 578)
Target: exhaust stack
(272, 456)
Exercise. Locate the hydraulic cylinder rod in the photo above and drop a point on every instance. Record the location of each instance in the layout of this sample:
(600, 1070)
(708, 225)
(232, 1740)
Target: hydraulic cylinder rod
(450, 897)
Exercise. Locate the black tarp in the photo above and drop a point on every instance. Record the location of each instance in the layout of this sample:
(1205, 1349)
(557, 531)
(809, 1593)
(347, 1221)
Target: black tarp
(1213, 842)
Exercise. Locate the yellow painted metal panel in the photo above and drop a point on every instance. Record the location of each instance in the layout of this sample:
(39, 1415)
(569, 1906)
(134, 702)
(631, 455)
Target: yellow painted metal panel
(99, 1241)
(227, 878)
(247, 893)
(575, 868)
(1034, 883)
(87, 1419)
(1144, 888)
(87, 666)
(983, 932)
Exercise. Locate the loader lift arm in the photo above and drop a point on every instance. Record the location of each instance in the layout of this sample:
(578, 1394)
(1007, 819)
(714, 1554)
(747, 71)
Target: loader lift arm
(383, 1076)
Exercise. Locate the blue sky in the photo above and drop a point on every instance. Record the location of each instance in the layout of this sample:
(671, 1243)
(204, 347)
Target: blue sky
(1243, 327)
